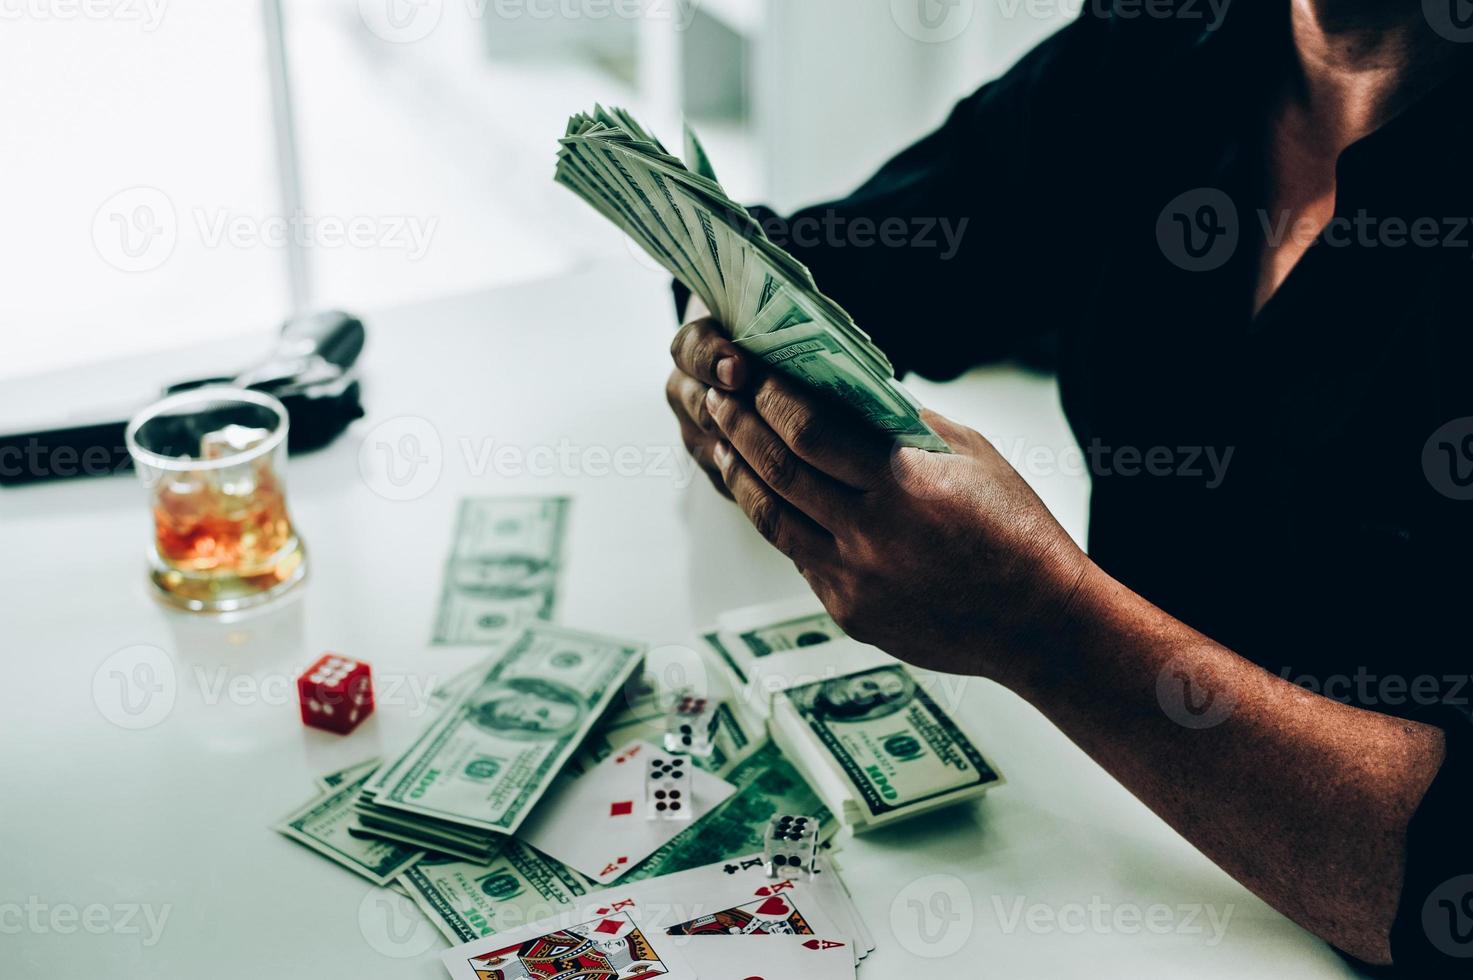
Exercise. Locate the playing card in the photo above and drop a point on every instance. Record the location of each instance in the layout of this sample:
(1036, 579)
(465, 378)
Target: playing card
(774, 915)
(769, 957)
(608, 944)
(864, 940)
(736, 898)
(596, 823)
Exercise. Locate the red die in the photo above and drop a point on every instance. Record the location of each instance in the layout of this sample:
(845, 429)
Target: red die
(336, 693)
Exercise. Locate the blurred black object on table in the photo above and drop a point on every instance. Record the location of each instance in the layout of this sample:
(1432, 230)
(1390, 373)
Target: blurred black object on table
(310, 370)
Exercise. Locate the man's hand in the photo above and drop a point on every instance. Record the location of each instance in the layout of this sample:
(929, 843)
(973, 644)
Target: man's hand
(947, 561)
(704, 358)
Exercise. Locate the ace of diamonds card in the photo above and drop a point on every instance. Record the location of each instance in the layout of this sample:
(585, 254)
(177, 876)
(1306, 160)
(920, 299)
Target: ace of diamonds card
(596, 823)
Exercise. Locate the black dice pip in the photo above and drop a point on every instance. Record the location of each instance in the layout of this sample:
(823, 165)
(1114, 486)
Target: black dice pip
(790, 848)
(667, 791)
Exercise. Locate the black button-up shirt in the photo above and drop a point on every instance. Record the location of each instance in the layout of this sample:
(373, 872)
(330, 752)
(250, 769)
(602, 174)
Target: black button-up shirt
(1298, 484)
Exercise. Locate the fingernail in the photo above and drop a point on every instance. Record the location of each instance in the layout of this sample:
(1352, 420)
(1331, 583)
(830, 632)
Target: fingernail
(726, 371)
(722, 452)
(714, 398)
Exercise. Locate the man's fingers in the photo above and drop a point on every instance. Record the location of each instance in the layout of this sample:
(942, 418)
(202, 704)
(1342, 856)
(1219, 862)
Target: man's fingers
(699, 445)
(687, 398)
(824, 433)
(702, 351)
(959, 437)
(776, 465)
(784, 527)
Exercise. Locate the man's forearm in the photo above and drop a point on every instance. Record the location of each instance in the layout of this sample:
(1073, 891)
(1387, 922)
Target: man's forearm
(1304, 800)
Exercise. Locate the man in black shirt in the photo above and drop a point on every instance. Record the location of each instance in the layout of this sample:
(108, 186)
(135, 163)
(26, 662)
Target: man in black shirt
(1244, 242)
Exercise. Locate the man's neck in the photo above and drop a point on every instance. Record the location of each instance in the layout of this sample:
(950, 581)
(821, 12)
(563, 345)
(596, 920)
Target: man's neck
(1361, 62)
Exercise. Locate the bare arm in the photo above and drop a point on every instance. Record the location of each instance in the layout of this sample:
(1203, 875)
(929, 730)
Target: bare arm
(1304, 800)
(951, 562)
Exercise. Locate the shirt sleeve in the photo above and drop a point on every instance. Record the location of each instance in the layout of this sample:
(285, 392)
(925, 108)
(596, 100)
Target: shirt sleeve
(953, 253)
(1432, 936)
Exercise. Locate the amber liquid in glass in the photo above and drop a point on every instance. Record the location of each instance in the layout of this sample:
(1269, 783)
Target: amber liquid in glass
(219, 538)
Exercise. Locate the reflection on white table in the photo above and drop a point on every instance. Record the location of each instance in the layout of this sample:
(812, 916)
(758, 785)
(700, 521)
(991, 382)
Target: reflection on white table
(146, 752)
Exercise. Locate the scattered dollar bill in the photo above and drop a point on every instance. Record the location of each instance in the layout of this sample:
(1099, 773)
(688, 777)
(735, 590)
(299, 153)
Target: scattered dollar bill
(777, 645)
(444, 693)
(338, 777)
(417, 833)
(467, 899)
(503, 567)
(486, 760)
(324, 824)
(642, 715)
(766, 784)
(877, 747)
(719, 646)
(764, 297)
(470, 899)
(772, 627)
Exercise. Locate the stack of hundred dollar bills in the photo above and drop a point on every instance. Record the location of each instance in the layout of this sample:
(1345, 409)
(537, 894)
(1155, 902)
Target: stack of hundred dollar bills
(474, 775)
(776, 645)
(765, 298)
(877, 747)
(874, 739)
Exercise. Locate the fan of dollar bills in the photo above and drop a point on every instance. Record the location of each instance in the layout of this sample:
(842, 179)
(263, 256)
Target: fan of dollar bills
(764, 297)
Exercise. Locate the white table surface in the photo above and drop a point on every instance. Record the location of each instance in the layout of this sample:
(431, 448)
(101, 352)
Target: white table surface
(1059, 874)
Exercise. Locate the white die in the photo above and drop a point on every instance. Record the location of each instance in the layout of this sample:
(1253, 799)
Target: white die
(667, 788)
